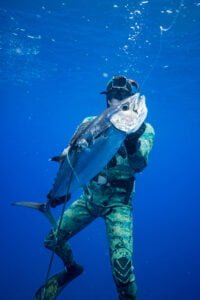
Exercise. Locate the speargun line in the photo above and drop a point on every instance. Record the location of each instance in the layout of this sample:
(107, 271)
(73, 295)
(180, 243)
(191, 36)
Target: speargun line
(57, 231)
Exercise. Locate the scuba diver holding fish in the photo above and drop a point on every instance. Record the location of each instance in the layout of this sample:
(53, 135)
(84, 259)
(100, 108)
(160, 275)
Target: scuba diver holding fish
(115, 146)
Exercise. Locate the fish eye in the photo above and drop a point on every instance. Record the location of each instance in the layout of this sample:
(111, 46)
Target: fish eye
(125, 107)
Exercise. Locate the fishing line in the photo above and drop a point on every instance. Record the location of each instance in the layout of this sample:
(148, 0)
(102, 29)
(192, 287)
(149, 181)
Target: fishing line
(162, 30)
(57, 231)
(71, 166)
(85, 188)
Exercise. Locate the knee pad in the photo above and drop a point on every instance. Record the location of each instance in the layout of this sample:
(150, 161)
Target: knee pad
(122, 266)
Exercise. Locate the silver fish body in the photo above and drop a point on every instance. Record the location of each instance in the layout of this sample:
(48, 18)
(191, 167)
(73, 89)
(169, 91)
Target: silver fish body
(90, 151)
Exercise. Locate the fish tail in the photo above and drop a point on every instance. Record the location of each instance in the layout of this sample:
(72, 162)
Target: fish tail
(42, 207)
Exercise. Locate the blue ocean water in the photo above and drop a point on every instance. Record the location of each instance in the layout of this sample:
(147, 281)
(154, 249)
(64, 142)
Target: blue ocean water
(55, 58)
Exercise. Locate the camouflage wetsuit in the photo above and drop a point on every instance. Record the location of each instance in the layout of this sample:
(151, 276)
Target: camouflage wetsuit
(109, 195)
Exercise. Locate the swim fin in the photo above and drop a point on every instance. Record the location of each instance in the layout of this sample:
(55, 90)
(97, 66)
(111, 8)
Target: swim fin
(57, 282)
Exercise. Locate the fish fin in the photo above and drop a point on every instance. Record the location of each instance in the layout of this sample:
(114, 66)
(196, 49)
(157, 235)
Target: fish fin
(42, 207)
(58, 158)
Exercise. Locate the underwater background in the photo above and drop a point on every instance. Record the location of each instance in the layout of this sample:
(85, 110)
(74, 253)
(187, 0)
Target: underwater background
(55, 58)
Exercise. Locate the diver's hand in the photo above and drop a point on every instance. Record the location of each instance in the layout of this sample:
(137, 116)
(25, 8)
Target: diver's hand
(132, 145)
(132, 141)
(53, 202)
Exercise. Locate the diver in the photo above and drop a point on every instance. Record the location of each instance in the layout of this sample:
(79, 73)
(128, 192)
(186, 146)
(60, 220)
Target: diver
(109, 196)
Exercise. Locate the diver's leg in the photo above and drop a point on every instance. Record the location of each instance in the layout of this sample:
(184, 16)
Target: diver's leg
(75, 218)
(119, 231)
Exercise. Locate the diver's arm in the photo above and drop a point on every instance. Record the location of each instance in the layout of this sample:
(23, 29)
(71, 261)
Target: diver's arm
(139, 148)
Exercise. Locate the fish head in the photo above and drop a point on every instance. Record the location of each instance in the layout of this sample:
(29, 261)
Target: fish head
(129, 114)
